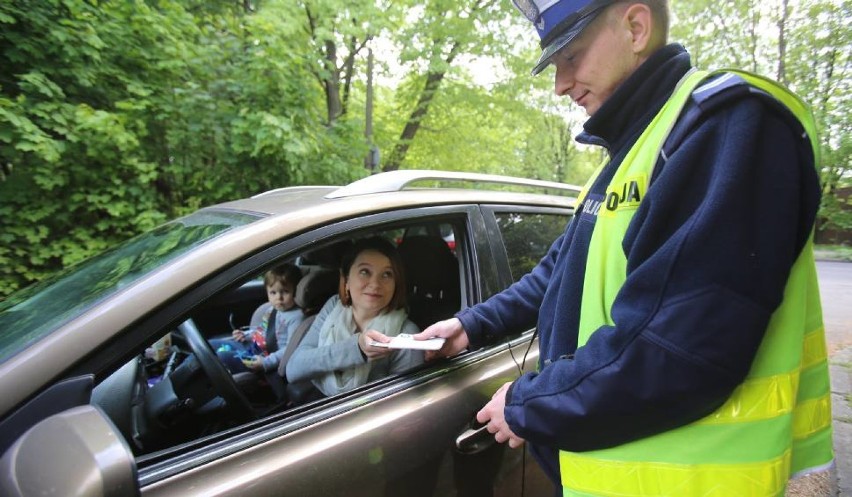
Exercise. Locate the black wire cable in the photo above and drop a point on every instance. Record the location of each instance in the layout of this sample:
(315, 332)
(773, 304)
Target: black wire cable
(520, 367)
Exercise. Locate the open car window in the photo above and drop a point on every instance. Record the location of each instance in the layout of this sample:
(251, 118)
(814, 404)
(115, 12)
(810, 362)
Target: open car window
(177, 390)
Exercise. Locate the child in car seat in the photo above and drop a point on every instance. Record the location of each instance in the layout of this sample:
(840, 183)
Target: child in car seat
(260, 349)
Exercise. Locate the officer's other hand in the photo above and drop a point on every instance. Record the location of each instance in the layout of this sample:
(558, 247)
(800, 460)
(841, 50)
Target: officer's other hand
(492, 417)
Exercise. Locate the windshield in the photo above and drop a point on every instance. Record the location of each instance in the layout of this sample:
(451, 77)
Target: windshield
(34, 312)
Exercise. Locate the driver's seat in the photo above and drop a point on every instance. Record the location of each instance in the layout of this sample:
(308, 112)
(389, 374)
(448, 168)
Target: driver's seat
(432, 273)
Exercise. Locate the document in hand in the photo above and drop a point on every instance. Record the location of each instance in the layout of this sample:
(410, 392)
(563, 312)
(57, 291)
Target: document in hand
(405, 341)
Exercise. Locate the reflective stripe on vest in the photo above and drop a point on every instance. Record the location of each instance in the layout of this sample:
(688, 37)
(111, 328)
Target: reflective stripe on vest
(776, 423)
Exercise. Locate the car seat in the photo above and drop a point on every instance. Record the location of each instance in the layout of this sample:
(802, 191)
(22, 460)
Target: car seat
(314, 288)
(432, 276)
(327, 256)
(257, 315)
(312, 292)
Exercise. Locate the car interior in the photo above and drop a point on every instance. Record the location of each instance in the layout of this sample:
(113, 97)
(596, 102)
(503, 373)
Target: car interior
(178, 390)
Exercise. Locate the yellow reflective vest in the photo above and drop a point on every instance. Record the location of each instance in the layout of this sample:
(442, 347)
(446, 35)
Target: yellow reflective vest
(777, 423)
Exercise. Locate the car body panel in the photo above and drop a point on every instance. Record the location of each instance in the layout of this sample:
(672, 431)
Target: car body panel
(371, 433)
(387, 431)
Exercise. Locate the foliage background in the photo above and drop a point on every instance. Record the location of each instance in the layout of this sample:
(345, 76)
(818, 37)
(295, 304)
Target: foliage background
(118, 115)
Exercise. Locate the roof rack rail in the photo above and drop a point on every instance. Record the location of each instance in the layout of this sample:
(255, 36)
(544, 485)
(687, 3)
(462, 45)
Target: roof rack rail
(290, 189)
(393, 181)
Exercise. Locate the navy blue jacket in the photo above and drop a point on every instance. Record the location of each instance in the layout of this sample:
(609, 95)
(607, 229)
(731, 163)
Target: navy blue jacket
(730, 206)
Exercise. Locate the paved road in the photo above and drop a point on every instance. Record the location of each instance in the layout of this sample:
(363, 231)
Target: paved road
(835, 282)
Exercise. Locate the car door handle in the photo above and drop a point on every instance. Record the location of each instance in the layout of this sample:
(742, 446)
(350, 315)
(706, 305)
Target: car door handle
(475, 438)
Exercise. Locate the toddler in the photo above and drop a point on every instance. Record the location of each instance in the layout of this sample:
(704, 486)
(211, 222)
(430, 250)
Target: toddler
(260, 349)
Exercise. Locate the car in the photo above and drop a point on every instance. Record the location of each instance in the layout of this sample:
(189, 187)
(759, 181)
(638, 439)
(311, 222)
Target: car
(110, 386)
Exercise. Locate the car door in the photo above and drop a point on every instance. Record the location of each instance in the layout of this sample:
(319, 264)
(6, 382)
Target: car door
(397, 437)
(521, 236)
(407, 435)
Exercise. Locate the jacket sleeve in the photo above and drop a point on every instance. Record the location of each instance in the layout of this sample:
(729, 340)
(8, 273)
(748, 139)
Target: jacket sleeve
(513, 309)
(708, 255)
(310, 360)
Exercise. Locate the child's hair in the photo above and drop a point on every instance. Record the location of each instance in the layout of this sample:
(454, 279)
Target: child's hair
(286, 274)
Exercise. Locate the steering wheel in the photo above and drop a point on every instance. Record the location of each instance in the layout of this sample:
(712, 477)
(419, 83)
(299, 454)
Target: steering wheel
(221, 379)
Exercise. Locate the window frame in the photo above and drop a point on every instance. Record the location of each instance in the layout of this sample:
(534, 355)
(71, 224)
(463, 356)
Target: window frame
(490, 218)
(468, 225)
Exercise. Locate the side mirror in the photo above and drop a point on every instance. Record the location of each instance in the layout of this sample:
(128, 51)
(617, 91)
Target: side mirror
(76, 452)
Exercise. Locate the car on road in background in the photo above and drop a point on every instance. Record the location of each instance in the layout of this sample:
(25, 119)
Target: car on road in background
(110, 386)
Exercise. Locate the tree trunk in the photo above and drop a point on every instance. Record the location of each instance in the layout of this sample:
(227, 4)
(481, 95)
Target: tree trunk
(332, 84)
(412, 126)
(348, 73)
(781, 76)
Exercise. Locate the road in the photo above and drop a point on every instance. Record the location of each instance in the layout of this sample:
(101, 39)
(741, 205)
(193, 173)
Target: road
(835, 283)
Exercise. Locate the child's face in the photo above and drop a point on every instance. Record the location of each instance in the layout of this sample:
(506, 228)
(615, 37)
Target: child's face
(281, 296)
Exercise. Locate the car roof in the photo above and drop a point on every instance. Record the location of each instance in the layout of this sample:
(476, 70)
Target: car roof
(405, 188)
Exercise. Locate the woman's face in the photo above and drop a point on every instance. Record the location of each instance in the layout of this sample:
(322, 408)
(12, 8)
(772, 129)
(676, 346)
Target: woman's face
(371, 282)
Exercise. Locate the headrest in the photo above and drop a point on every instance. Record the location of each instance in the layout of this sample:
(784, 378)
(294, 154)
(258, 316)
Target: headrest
(316, 287)
(416, 248)
(328, 255)
(431, 268)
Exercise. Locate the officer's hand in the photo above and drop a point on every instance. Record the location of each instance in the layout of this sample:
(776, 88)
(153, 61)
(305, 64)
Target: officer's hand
(492, 416)
(450, 329)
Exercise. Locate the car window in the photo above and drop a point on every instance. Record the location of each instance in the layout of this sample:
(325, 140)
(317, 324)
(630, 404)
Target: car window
(34, 312)
(186, 396)
(527, 237)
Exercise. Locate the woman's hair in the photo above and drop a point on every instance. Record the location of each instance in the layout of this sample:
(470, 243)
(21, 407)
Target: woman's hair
(287, 274)
(386, 248)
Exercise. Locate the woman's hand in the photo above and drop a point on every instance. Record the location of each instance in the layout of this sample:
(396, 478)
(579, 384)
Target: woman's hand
(373, 352)
(450, 329)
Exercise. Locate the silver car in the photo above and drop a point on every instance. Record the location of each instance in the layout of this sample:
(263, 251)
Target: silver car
(110, 387)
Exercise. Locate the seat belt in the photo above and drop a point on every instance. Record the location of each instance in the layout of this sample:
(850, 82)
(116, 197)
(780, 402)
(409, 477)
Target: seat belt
(271, 338)
(295, 339)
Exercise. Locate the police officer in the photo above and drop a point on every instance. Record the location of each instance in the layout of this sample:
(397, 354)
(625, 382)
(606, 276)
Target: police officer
(681, 342)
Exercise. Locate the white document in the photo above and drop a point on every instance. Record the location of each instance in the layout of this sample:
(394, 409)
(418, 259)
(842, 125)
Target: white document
(405, 341)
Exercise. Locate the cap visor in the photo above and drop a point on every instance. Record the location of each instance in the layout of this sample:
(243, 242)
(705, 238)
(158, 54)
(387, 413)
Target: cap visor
(561, 42)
